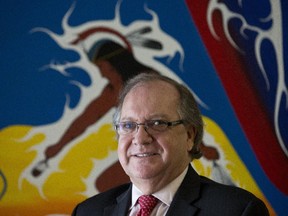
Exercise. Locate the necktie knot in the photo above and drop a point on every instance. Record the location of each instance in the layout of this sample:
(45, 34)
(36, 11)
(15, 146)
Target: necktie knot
(147, 204)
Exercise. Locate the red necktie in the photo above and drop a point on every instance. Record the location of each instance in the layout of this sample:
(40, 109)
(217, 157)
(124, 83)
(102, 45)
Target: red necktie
(147, 204)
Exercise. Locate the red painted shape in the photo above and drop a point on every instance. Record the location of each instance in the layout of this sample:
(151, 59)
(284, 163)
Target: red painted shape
(228, 63)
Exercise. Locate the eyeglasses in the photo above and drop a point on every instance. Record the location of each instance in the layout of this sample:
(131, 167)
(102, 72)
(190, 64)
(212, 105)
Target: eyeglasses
(151, 126)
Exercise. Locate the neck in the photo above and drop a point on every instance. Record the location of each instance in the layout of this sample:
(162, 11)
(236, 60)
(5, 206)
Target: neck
(150, 186)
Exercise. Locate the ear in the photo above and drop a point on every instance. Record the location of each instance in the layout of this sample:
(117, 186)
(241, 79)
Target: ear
(191, 132)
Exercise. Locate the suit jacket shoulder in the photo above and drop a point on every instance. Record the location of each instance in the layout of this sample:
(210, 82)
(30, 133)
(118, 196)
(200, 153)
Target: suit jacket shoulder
(103, 203)
(234, 200)
(199, 195)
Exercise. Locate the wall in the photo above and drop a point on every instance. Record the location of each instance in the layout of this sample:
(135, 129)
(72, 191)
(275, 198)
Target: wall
(57, 143)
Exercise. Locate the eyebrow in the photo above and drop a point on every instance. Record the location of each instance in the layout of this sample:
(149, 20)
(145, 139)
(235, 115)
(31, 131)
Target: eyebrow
(152, 117)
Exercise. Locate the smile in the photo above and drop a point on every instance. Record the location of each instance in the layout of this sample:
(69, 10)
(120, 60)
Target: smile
(144, 155)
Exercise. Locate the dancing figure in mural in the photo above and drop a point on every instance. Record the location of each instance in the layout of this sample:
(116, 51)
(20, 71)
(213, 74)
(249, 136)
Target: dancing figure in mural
(115, 63)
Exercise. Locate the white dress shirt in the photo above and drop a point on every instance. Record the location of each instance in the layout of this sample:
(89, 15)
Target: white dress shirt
(165, 197)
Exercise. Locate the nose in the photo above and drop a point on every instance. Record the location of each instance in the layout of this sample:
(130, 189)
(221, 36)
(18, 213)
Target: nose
(141, 124)
(142, 137)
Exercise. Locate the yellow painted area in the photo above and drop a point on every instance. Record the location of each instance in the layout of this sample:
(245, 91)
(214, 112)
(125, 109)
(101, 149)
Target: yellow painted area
(15, 156)
(62, 189)
(77, 163)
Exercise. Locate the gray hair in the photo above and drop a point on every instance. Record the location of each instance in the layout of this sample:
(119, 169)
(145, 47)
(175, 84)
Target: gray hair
(188, 109)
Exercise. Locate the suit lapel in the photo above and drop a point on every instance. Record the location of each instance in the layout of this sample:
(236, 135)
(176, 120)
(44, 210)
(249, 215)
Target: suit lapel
(188, 192)
(182, 208)
(122, 205)
(182, 204)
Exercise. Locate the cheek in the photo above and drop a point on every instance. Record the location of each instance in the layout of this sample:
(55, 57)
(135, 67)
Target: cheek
(121, 156)
(123, 145)
(168, 145)
(178, 143)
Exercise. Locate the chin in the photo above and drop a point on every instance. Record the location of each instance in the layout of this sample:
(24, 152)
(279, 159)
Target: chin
(147, 174)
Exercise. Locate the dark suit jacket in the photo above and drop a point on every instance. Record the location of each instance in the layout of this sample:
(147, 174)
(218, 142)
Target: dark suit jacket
(196, 195)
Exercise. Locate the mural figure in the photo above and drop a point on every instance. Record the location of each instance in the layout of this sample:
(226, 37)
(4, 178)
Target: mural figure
(115, 63)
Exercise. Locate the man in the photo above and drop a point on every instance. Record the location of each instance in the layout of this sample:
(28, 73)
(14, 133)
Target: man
(159, 129)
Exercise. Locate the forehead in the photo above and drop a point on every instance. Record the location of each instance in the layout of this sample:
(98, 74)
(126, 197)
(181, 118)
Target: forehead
(149, 99)
(153, 90)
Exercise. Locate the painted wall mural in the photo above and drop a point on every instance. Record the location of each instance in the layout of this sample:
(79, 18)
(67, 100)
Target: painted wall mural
(62, 64)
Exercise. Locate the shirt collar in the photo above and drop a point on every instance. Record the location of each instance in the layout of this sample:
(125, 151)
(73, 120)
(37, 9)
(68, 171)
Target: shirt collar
(165, 195)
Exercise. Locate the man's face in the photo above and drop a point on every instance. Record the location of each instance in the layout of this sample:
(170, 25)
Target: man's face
(162, 156)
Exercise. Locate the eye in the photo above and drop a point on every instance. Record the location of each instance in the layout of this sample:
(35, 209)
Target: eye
(128, 125)
(157, 125)
(159, 122)
(125, 127)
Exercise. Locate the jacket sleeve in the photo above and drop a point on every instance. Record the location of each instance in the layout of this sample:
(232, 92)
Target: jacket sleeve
(255, 208)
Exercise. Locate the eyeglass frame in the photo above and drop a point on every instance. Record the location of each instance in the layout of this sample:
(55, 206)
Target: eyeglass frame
(147, 127)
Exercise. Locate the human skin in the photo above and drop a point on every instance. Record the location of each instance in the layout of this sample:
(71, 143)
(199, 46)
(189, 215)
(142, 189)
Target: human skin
(92, 113)
(153, 161)
(95, 110)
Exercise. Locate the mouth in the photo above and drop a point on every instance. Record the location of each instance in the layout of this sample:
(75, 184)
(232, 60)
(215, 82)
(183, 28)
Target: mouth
(143, 155)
